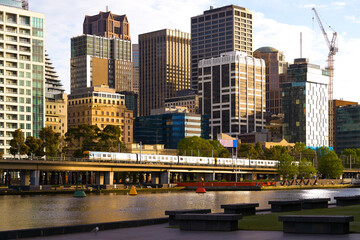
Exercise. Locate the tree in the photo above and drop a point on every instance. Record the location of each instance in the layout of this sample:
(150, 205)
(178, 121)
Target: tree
(306, 168)
(301, 152)
(50, 141)
(259, 150)
(247, 150)
(201, 147)
(83, 137)
(274, 153)
(287, 166)
(219, 150)
(17, 144)
(330, 165)
(110, 139)
(35, 146)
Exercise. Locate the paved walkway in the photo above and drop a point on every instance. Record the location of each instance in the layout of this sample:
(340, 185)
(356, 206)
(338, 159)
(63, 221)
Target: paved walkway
(163, 232)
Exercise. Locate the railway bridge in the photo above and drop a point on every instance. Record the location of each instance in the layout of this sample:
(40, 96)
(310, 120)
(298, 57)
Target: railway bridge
(50, 171)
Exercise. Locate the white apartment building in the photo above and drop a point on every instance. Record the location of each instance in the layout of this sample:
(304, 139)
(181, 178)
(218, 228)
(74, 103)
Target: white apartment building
(305, 104)
(22, 73)
(232, 93)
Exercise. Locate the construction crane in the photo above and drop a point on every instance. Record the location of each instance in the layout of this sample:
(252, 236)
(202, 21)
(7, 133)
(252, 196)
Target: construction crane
(333, 49)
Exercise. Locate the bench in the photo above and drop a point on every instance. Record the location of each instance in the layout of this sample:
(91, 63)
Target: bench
(315, 203)
(347, 200)
(208, 222)
(316, 224)
(245, 209)
(173, 213)
(285, 205)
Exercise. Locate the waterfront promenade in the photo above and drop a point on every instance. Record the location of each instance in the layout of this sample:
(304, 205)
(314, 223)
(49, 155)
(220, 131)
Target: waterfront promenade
(162, 231)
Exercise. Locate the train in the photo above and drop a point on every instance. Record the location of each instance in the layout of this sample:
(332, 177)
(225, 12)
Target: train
(179, 160)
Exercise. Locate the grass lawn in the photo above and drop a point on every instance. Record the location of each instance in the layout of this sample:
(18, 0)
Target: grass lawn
(270, 222)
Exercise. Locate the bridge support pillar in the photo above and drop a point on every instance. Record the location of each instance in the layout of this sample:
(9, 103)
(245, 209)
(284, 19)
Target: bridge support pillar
(99, 178)
(35, 178)
(109, 178)
(165, 178)
(155, 178)
(24, 178)
(210, 176)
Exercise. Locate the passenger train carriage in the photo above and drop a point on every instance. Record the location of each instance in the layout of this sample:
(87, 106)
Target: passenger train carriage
(181, 160)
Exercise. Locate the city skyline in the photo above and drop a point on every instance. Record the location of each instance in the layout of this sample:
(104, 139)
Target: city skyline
(277, 24)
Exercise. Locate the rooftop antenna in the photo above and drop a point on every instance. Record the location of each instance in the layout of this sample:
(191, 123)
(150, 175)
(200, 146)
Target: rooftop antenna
(300, 44)
(107, 8)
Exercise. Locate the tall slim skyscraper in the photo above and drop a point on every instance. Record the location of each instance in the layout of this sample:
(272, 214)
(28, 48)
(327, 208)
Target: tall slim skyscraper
(305, 104)
(102, 55)
(22, 73)
(164, 67)
(232, 93)
(219, 30)
(276, 68)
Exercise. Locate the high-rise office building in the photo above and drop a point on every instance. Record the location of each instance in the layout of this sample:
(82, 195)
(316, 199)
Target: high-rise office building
(55, 100)
(232, 93)
(305, 104)
(164, 67)
(102, 55)
(99, 61)
(276, 68)
(22, 73)
(219, 30)
(107, 24)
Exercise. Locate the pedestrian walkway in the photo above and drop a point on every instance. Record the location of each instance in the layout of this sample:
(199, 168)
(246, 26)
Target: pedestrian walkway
(163, 232)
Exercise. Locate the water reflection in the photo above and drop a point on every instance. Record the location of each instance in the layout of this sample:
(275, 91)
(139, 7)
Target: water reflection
(19, 212)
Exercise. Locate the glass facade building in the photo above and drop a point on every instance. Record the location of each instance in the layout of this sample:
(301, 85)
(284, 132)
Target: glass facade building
(169, 128)
(347, 127)
(22, 74)
(305, 104)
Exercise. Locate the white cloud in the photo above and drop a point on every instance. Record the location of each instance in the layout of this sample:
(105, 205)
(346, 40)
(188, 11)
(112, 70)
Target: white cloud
(339, 4)
(353, 19)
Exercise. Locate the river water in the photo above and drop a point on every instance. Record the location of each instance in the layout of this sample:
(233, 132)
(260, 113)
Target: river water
(20, 212)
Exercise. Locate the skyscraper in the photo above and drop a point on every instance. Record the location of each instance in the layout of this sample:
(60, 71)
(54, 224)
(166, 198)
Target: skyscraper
(219, 30)
(104, 57)
(22, 73)
(305, 104)
(276, 68)
(164, 67)
(232, 93)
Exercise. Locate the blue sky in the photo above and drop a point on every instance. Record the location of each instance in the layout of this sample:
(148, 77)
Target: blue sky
(277, 23)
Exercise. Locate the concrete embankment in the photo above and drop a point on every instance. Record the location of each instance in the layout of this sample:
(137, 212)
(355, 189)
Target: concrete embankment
(50, 231)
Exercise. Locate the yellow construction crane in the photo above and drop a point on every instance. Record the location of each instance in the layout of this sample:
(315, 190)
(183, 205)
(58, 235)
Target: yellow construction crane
(333, 49)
